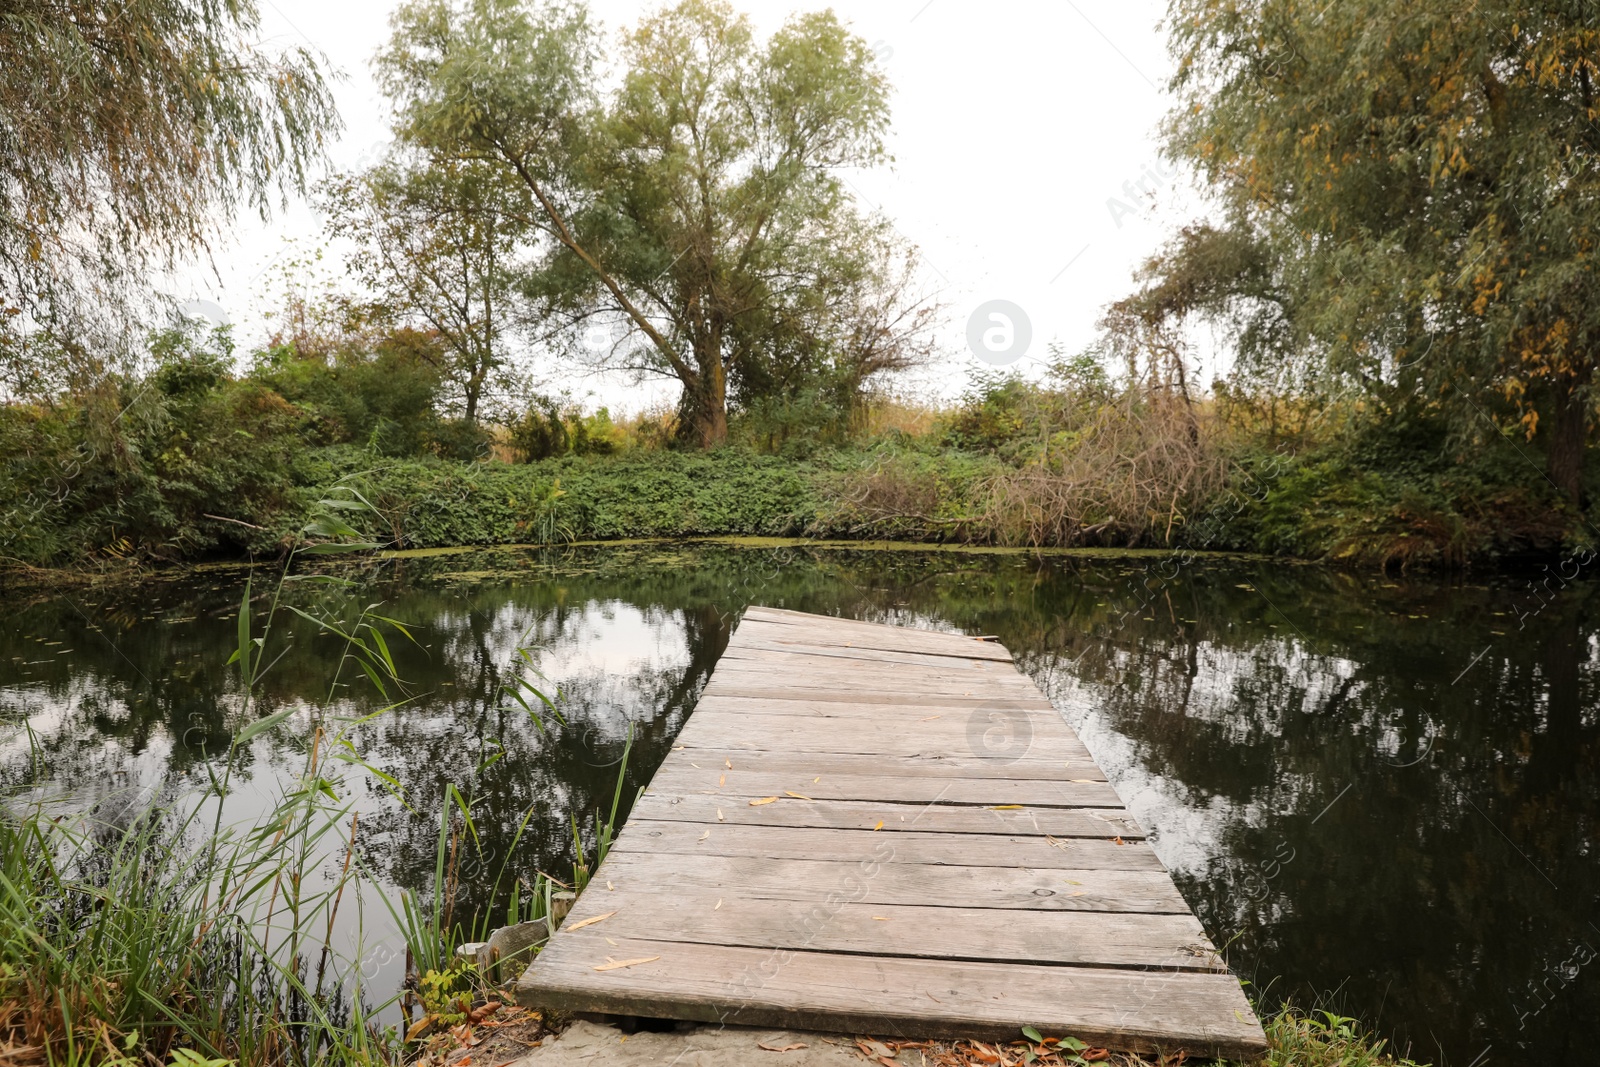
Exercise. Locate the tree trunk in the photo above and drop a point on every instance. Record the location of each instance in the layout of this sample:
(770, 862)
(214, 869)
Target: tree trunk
(711, 399)
(1569, 433)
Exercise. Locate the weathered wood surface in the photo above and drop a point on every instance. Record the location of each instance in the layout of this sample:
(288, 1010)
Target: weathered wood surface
(874, 829)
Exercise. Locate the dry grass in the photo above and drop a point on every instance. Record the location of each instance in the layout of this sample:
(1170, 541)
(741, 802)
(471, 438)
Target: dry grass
(891, 414)
(1130, 473)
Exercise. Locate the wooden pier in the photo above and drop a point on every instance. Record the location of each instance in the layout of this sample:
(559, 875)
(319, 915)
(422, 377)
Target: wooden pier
(876, 830)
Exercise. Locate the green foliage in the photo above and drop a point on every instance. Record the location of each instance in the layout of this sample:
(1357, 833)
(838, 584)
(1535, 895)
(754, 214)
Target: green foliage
(549, 428)
(381, 392)
(1406, 197)
(129, 142)
(436, 247)
(665, 494)
(754, 134)
(167, 934)
(1323, 1039)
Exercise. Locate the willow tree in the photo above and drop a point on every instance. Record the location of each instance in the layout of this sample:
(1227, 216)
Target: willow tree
(688, 202)
(1409, 195)
(130, 134)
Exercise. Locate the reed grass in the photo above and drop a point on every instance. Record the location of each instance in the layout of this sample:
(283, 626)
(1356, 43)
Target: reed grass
(179, 938)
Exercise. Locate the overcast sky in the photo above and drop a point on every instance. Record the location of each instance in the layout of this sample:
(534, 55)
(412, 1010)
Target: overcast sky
(1025, 162)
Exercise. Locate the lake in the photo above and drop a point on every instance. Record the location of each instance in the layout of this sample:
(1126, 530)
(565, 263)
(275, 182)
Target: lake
(1379, 793)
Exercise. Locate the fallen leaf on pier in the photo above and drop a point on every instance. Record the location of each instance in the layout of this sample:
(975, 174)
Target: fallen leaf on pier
(879, 826)
(719, 904)
(703, 836)
(719, 816)
(722, 781)
(591, 922)
(609, 886)
(880, 918)
(797, 796)
(762, 800)
(728, 763)
(930, 718)
(611, 964)
(817, 779)
(779, 1048)
(1004, 807)
(1118, 841)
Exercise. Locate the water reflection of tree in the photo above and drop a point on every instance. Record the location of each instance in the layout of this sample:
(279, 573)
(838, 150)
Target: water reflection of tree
(1454, 871)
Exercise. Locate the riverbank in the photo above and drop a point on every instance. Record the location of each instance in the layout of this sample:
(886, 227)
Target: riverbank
(1275, 506)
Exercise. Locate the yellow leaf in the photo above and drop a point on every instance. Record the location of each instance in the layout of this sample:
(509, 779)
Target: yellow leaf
(1004, 807)
(611, 964)
(761, 801)
(797, 796)
(728, 763)
(879, 826)
(590, 922)
(719, 816)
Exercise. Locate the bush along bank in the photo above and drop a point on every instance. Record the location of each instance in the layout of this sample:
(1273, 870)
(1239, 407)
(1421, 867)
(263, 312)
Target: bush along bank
(1305, 507)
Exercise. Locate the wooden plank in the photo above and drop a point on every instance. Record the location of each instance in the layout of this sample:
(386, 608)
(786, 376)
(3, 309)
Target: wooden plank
(851, 633)
(974, 694)
(933, 710)
(874, 659)
(907, 846)
(852, 655)
(922, 789)
(836, 628)
(775, 735)
(1142, 1011)
(1083, 938)
(934, 885)
(806, 766)
(999, 725)
(765, 690)
(789, 810)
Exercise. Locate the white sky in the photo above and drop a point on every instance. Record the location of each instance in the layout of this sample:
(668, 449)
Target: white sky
(1014, 124)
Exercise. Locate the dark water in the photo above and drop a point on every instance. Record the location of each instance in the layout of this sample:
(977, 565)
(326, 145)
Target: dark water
(1381, 794)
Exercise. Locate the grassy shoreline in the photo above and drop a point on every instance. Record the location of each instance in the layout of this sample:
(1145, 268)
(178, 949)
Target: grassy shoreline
(863, 498)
